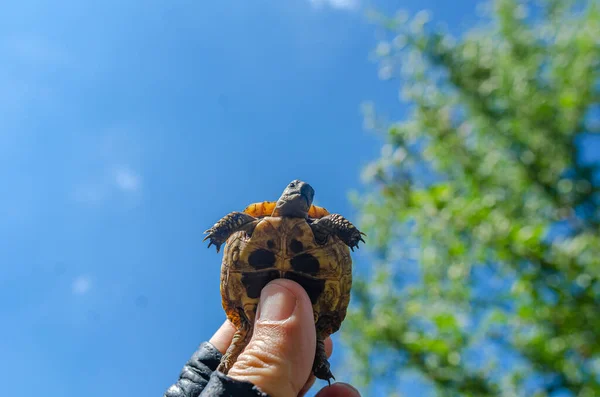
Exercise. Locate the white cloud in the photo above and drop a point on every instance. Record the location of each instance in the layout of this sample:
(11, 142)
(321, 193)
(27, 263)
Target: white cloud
(107, 184)
(114, 160)
(81, 285)
(340, 4)
(127, 180)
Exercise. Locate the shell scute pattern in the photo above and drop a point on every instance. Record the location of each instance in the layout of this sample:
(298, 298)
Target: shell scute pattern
(319, 269)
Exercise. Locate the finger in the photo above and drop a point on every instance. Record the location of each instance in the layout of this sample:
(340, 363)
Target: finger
(338, 389)
(312, 378)
(280, 355)
(328, 347)
(222, 338)
(307, 385)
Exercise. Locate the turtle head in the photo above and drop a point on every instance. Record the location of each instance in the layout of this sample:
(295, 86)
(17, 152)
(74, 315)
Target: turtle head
(295, 201)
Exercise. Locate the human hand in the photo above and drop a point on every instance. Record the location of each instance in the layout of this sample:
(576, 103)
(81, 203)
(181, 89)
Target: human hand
(279, 357)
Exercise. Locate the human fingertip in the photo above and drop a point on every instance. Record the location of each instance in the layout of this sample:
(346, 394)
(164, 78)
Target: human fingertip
(338, 389)
(222, 338)
(328, 346)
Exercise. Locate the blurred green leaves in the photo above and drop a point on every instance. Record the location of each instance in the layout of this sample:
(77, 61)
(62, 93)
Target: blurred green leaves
(483, 218)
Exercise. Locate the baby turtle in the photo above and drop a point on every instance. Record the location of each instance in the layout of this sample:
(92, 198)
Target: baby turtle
(290, 238)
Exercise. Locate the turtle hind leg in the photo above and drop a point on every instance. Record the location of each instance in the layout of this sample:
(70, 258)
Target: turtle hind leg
(229, 224)
(337, 225)
(321, 364)
(238, 344)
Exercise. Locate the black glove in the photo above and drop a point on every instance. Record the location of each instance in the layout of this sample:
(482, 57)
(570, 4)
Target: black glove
(199, 378)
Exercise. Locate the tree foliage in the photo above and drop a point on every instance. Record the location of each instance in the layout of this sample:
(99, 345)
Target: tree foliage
(484, 215)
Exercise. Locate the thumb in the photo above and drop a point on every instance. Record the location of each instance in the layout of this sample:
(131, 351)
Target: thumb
(279, 357)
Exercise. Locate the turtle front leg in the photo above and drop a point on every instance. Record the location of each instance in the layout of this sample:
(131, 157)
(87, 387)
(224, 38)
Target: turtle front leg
(240, 340)
(337, 225)
(229, 224)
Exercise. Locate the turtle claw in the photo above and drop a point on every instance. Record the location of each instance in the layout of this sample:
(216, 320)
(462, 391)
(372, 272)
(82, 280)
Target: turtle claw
(354, 238)
(329, 380)
(226, 226)
(217, 246)
(354, 246)
(335, 224)
(212, 241)
(323, 372)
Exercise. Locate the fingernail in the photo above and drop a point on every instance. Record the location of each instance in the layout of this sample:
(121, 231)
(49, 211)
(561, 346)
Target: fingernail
(277, 303)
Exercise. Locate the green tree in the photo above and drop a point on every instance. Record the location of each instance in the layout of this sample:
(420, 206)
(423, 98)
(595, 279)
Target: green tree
(482, 213)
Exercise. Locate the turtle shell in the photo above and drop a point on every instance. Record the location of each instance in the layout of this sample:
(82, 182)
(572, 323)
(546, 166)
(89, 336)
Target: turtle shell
(285, 247)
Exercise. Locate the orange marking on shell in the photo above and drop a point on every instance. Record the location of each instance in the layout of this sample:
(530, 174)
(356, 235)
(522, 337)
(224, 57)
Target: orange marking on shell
(317, 212)
(259, 210)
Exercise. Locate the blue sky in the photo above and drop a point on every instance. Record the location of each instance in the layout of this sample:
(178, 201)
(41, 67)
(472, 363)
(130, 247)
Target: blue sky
(126, 130)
